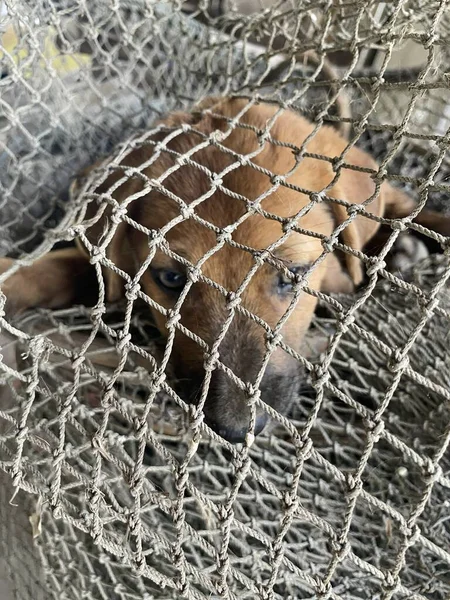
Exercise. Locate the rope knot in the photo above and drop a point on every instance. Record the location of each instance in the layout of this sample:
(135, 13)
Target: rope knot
(337, 163)
(211, 358)
(340, 548)
(215, 180)
(376, 266)
(194, 274)
(398, 361)
(96, 255)
(273, 340)
(132, 290)
(376, 428)
(224, 236)
(354, 209)
(233, 300)
(433, 471)
(118, 213)
(186, 212)
(412, 534)
(398, 225)
(328, 244)
(173, 316)
(277, 180)
(391, 582)
(320, 377)
(123, 340)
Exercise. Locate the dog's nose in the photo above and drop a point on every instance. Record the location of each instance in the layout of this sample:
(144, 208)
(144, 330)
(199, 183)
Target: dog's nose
(226, 408)
(236, 435)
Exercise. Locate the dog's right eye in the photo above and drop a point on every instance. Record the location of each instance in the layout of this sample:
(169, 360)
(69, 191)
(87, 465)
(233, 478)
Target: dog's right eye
(171, 280)
(284, 283)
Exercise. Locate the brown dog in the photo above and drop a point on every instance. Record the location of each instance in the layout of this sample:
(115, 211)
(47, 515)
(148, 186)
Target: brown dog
(220, 188)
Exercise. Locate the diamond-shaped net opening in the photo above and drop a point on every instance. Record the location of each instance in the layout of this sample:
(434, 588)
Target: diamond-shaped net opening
(210, 161)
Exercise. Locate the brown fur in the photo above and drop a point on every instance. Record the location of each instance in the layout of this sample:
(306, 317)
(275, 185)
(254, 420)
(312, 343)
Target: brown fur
(205, 308)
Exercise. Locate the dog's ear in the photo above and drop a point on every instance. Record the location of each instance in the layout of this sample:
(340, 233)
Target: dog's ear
(121, 187)
(336, 279)
(118, 250)
(355, 187)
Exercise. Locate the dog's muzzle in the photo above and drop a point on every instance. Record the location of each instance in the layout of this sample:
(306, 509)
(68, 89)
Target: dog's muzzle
(227, 409)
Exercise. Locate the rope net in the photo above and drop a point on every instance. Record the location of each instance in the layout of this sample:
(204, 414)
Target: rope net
(115, 486)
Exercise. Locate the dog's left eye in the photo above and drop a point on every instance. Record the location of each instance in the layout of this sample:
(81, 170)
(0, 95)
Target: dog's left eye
(172, 280)
(284, 283)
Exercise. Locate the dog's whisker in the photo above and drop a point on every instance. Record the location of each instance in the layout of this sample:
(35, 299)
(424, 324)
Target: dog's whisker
(386, 309)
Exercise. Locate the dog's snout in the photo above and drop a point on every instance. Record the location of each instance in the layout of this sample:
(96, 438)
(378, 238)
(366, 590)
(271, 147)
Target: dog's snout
(235, 434)
(227, 406)
(227, 409)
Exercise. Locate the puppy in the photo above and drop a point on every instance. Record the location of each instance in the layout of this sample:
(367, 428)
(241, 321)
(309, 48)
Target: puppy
(226, 182)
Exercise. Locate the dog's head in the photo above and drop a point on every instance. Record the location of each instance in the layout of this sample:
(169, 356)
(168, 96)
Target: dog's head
(216, 205)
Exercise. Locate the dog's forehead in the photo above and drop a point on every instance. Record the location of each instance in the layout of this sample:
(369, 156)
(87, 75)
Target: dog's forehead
(210, 192)
(226, 230)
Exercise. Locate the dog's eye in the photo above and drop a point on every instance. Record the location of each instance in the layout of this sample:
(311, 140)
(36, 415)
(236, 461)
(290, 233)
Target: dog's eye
(285, 283)
(173, 280)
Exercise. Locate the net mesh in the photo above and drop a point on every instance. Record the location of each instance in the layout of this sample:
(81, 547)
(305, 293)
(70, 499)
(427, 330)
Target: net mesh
(112, 486)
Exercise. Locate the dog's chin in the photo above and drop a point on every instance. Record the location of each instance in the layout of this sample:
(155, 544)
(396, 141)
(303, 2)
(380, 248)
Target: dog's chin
(226, 410)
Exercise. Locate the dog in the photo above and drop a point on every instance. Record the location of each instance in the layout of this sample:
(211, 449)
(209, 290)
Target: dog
(283, 168)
